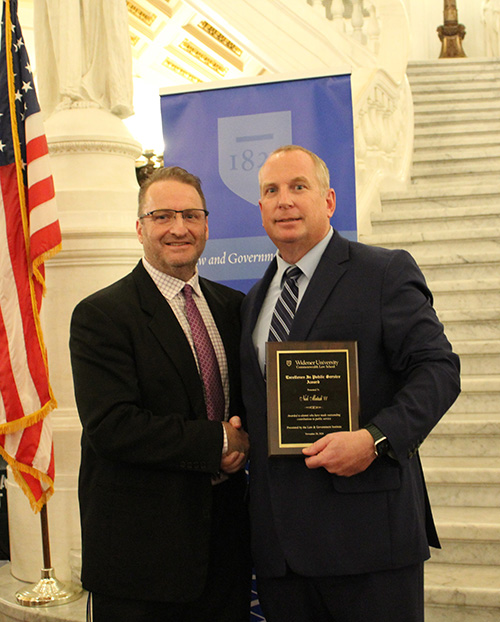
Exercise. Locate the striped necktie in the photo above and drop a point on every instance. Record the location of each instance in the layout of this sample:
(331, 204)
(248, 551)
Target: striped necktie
(207, 359)
(284, 311)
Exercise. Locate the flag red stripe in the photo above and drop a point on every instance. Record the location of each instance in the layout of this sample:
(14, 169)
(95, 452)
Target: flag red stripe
(41, 192)
(36, 148)
(39, 239)
(29, 443)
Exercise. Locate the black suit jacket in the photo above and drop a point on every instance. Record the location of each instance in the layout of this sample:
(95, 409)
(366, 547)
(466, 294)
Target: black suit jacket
(148, 450)
(323, 524)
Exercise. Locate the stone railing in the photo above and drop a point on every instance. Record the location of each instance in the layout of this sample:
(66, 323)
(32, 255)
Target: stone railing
(354, 17)
(374, 35)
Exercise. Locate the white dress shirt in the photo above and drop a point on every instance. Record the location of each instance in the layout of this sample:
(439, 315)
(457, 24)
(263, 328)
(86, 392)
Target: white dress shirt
(308, 264)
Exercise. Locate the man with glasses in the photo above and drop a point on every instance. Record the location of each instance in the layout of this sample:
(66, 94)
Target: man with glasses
(155, 367)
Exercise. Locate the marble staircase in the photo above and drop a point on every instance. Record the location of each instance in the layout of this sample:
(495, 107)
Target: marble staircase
(449, 219)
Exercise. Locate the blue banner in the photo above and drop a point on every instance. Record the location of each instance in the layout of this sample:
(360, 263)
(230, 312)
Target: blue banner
(225, 134)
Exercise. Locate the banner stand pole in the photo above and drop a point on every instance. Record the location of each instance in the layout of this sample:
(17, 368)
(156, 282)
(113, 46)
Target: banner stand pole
(48, 592)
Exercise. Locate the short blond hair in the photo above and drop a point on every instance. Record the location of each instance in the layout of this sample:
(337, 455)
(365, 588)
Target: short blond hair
(322, 172)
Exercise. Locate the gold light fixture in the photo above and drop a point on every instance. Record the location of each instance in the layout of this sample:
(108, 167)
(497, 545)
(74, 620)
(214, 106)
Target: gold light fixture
(451, 33)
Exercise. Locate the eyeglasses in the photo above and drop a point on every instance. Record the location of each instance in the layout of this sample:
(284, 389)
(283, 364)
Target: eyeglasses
(167, 216)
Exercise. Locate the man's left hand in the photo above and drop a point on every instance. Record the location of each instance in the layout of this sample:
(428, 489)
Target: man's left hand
(342, 453)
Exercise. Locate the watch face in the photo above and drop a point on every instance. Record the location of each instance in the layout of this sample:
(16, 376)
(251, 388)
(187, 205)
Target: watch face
(382, 447)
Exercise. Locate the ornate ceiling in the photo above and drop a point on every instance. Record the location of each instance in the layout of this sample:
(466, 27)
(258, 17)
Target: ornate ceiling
(172, 43)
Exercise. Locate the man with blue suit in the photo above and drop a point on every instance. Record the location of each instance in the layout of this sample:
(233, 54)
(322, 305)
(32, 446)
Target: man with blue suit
(341, 534)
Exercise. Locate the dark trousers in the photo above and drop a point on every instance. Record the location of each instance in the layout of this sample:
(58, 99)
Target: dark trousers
(226, 597)
(388, 596)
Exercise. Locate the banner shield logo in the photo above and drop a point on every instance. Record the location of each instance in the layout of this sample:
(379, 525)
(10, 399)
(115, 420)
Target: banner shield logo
(244, 145)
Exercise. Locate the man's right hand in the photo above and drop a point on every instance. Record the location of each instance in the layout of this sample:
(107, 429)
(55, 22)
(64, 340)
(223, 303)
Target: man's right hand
(238, 446)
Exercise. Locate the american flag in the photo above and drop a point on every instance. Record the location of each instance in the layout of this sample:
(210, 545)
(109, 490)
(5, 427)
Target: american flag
(29, 234)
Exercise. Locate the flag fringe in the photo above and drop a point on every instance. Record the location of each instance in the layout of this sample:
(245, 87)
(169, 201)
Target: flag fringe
(17, 468)
(25, 422)
(41, 259)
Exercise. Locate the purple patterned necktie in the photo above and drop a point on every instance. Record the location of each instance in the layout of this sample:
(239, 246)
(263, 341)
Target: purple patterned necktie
(209, 367)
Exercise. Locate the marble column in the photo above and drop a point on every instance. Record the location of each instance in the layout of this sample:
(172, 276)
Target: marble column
(93, 163)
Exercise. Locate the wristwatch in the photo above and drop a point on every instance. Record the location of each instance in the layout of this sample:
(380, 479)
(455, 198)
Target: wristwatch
(382, 445)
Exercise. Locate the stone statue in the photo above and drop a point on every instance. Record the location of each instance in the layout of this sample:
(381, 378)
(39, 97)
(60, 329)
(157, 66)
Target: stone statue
(490, 14)
(84, 56)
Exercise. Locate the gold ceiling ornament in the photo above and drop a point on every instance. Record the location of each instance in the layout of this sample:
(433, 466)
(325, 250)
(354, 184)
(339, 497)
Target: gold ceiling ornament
(220, 38)
(451, 34)
(179, 70)
(202, 57)
(134, 39)
(146, 17)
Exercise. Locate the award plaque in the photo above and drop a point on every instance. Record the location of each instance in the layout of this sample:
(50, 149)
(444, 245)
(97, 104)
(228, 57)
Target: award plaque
(312, 390)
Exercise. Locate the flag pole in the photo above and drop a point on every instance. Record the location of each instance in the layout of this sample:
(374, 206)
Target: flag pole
(23, 147)
(48, 592)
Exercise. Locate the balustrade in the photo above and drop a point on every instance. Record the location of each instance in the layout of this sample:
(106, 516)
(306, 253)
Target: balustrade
(373, 34)
(357, 18)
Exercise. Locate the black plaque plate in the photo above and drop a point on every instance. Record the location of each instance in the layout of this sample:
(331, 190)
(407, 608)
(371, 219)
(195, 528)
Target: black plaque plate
(312, 390)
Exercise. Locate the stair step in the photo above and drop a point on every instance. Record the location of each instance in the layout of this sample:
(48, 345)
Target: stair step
(464, 79)
(458, 265)
(463, 481)
(449, 66)
(464, 532)
(462, 593)
(452, 195)
(435, 140)
(466, 294)
(453, 105)
(446, 155)
(455, 438)
(477, 401)
(474, 417)
(470, 323)
(478, 357)
(468, 76)
(452, 65)
(438, 91)
(462, 270)
(453, 117)
(478, 127)
(429, 218)
(467, 107)
(441, 167)
(426, 242)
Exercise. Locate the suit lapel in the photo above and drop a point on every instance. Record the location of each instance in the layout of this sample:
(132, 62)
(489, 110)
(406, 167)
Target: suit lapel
(255, 299)
(331, 267)
(167, 330)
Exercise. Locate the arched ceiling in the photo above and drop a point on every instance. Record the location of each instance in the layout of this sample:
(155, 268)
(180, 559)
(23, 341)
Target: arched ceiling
(172, 43)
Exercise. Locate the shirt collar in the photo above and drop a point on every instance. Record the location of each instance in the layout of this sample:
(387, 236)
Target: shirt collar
(168, 285)
(309, 262)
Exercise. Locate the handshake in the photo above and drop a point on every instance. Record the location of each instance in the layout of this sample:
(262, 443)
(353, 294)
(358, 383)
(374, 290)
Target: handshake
(238, 446)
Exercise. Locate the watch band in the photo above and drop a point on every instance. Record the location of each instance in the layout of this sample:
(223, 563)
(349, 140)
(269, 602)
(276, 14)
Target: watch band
(381, 443)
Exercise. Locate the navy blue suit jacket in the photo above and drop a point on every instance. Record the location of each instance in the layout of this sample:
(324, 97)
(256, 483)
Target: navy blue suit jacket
(323, 524)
